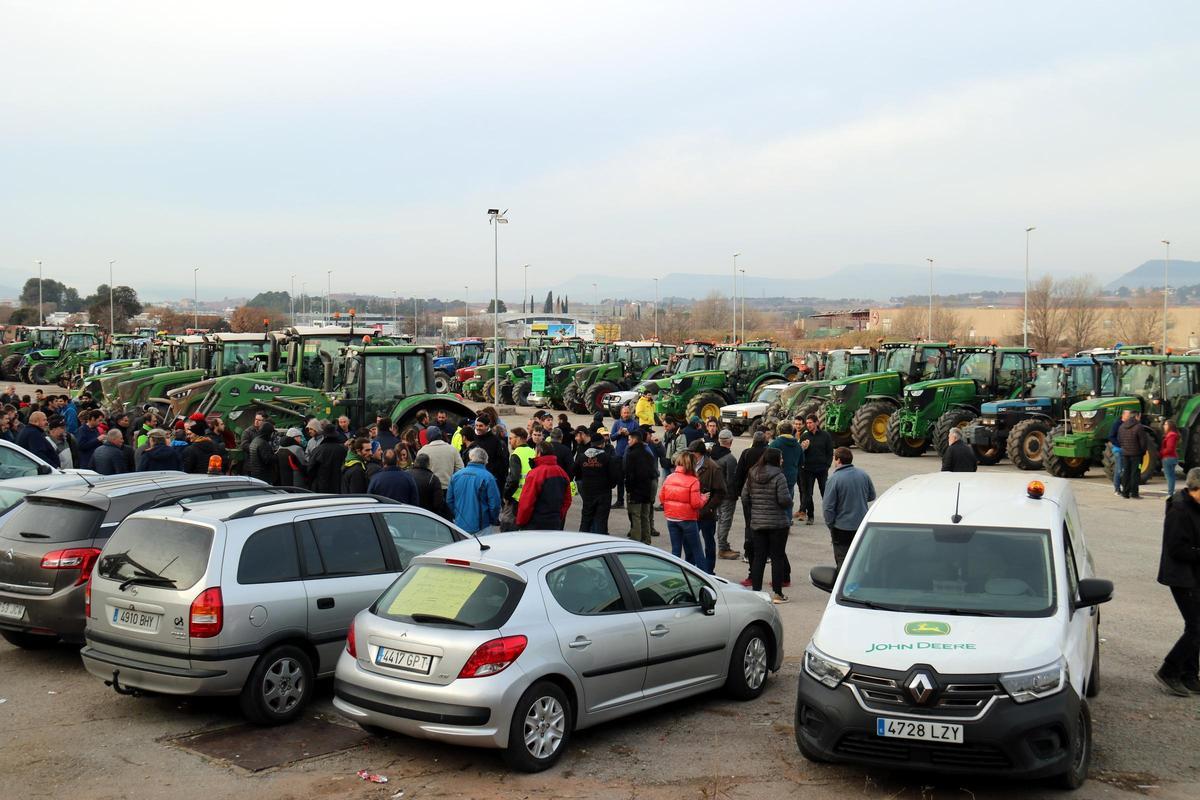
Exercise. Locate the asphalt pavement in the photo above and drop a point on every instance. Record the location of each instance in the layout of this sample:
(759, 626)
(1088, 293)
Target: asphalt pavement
(63, 734)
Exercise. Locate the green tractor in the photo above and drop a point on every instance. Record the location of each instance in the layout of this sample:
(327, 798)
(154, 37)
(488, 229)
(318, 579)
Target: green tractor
(859, 406)
(1021, 428)
(738, 374)
(930, 408)
(561, 391)
(74, 352)
(37, 337)
(394, 381)
(558, 354)
(184, 360)
(631, 362)
(1161, 388)
(692, 356)
(809, 395)
(478, 382)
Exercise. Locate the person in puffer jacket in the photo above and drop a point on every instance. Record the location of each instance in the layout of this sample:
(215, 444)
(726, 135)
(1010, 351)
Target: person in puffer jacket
(682, 500)
(546, 495)
(769, 497)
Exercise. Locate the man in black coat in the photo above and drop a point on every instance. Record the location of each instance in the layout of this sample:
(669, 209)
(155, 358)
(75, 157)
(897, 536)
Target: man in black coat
(641, 475)
(818, 458)
(1134, 443)
(33, 438)
(431, 495)
(325, 466)
(1179, 568)
(596, 473)
(959, 456)
(487, 440)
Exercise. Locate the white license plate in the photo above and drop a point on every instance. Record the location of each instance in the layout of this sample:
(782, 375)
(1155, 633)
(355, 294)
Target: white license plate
(409, 662)
(12, 610)
(138, 620)
(921, 731)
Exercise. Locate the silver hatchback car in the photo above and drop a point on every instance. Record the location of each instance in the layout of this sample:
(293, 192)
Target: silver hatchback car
(518, 641)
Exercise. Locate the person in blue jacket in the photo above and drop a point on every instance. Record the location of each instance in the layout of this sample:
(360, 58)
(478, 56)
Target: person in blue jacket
(474, 496)
(619, 436)
(1116, 449)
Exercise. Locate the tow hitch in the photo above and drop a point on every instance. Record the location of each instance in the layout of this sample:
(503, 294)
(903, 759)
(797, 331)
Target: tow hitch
(119, 689)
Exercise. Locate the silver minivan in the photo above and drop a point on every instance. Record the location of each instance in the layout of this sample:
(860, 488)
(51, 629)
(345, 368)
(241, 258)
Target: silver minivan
(249, 597)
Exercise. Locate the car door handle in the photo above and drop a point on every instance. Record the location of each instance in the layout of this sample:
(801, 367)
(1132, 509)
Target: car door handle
(324, 602)
(660, 631)
(579, 643)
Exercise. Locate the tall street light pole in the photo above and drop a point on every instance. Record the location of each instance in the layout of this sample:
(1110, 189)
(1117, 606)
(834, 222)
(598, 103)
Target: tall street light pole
(743, 274)
(41, 313)
(304, 297)
(292, 301)
(195, 297)
(415, 333)
(734, 298)
(466, 312)
(112, 328)
(595, 304)
(656, 309)
(328, 292)
(395, 312)
(525, 269)
(929, 332)
(1025, 322)
(496, 218)
(1166, 291)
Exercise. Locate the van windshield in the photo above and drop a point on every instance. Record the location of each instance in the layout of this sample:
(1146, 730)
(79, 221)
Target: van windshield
(952, 569)
(450, 595)
(157, 552)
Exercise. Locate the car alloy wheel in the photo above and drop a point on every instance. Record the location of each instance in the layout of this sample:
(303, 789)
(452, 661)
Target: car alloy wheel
(545, 727)
(754, 663)
(283, 685)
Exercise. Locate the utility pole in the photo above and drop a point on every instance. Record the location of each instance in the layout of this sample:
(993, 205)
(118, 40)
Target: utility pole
(1025, 322)
(656, 309)
(41, 313)
(112, 328)
(466, 312)
(195, 297)
(496, 218)
(328, 292)
(304, 299)
(292, 301)
(395, 312)
(1166, 291)
(415, 332)
(929, 333)
(743, 274)
(734, 298)
(525, 269)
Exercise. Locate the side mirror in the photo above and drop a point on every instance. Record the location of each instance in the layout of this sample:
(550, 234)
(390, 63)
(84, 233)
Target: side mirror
(708, 600)
(1093, 592)
(823, 577)
(44, 469)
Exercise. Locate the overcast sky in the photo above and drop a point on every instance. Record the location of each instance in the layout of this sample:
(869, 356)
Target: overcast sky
(260, 139)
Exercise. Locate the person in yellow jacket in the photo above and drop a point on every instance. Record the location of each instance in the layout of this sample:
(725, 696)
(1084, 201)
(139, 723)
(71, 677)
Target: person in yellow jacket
(644, 410)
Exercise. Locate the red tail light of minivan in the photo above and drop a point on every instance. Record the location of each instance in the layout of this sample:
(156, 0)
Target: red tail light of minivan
(207, 614)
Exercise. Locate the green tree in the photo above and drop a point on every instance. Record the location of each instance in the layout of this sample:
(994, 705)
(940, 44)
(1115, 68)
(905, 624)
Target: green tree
(276, 301)
(491, 307)
(52, 292)
(125, 304)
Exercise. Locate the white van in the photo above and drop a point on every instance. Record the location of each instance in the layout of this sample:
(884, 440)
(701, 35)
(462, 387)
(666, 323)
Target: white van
(962, 634)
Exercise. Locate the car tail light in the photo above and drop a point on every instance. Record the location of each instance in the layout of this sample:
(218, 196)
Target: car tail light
(87, 601)
(493, 656)
(457, 562)
(207, 614)
(80, 558)
(351, 648)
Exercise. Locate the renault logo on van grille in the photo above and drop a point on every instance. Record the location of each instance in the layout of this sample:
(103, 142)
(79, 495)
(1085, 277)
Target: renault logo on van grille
(920, 688)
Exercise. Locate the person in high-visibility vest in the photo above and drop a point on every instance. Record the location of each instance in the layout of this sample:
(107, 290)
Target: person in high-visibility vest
(520, 462)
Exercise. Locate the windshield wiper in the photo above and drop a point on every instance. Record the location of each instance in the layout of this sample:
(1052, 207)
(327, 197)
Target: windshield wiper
(867, 604)
(436, 618)
(957, 612)
(148, 580)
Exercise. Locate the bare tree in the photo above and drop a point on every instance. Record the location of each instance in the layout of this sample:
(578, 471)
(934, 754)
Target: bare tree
(1140, 322)
(1045, 315)
(1081, 312)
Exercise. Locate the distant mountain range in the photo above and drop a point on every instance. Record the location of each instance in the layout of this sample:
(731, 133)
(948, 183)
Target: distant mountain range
(861, 281)
(1150, 275)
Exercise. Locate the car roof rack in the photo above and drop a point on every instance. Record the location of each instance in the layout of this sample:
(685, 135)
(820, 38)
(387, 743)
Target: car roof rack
(350, 499)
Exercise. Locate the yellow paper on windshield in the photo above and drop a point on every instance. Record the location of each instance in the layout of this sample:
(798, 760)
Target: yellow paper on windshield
(437, 591)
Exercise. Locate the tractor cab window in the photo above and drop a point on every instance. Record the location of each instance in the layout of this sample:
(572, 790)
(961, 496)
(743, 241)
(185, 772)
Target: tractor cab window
(1083, 380)
(560, 356)
(45, 339)
(1177, 382)
(727, 361)
(640, 358)
(599, 354)
(621, 354)
(753, 362)
(976, 366)
(836, 367)
(195, 356)
(1048, 382)
(859, 363)
(238, 358)
(930, 365)
(1014, 370)
(312, 372)
(1108, 380)
(1139, 379)
(899, 360)
(384, 377)
(77, 342)
(780, 360)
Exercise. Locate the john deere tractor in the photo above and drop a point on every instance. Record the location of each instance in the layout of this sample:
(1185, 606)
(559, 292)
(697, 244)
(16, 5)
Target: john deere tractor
(459, 353)
(480, 384)
(38, 337)
(518, 384)
(737, 376)
(931, 408)
(630, 363)
(1020, 428)
(859, 406)
(373, 380)
(1161, 388)
(561, 391)
(73, 353)
(692, 356)
(808, 397)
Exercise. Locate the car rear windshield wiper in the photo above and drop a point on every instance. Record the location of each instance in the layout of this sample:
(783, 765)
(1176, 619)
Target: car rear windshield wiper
(436, 618)
(148, 580)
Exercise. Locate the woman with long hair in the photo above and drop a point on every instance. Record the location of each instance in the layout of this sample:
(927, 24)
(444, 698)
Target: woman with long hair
(769, 499)
(682, 500)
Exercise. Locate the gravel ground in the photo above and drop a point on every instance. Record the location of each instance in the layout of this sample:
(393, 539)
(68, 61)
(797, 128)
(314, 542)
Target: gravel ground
(63, 734)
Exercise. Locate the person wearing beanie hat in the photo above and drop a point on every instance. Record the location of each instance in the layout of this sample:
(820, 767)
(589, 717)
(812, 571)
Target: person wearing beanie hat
(444, 460)
(694, 429)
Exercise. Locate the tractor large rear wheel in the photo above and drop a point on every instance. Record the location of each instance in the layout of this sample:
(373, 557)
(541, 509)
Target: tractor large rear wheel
(572, 400)
(38, 373)
(10, 367)
(810, 406)
(869, 427)
(1149, 464)
(1027, 444)
(705, 405)
(1063, 466)
(520, 392)
(954, 418)
(593, 398)
(441, 382)
(489, 393)
(902, 445)
(774, 413)
(506, 392)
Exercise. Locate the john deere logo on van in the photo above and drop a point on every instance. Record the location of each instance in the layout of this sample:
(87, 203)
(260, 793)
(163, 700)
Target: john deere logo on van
(927, 629)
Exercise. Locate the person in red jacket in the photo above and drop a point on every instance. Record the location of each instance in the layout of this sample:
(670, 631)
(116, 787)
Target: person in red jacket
(546, 495)
(682, 500)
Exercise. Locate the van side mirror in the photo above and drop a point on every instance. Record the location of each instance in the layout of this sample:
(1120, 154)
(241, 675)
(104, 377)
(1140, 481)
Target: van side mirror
(44, 469)
(1093, 592)
(823, 577)
(708, 600)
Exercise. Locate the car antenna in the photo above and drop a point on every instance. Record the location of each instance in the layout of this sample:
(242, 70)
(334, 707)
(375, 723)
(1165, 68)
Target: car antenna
(83, 478)
(957, 518)
(483, 548)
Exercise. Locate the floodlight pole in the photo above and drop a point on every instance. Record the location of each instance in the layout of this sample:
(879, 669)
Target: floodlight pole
(1166, 291)
(112, 328)
(929, 332)
(1025, 322)
(734, 298)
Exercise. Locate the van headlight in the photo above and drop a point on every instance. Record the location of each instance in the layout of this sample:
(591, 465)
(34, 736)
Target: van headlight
(827, 671)
(1035, 684)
